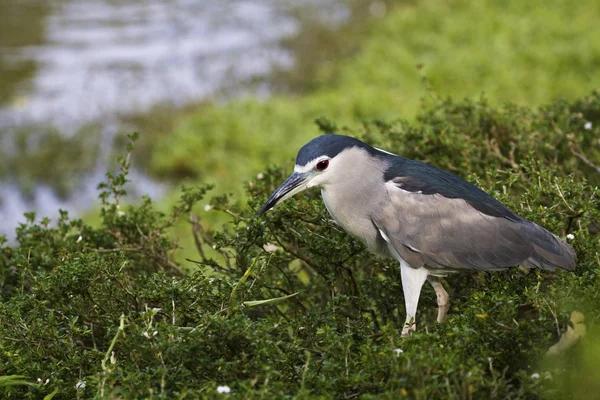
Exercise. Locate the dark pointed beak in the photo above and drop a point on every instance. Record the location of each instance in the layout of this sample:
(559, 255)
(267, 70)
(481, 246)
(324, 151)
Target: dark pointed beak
(292, 185)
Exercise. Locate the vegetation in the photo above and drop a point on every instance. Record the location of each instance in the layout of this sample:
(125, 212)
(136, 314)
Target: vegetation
(291, 306)
(528, 53)
(206, 300)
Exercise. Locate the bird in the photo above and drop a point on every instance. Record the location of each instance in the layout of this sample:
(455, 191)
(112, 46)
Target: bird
(430, 220)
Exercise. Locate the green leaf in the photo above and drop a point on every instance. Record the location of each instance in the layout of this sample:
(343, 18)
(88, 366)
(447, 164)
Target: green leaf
(14, 380)
(51, 395)
(234, 292)
(275, 300)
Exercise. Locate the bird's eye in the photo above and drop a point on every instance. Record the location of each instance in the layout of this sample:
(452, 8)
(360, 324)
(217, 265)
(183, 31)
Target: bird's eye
(322, 165)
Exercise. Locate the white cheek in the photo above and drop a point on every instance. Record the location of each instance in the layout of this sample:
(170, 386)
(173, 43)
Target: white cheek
(303, 169)
(317, 180)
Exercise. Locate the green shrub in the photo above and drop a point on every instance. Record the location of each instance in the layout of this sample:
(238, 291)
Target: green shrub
(108, 312)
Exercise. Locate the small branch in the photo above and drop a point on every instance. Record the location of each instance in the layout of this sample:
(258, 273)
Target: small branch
(287, 250)
(374, 316)
(572, 219)
(351, 255)
(555, 317)
(174, 267)
(115, 250)
(560, 193)
(114, 341)
(510, 160)
(196, 231)
(234, 215)
(585, 160)
(209, 263)
(199, 233)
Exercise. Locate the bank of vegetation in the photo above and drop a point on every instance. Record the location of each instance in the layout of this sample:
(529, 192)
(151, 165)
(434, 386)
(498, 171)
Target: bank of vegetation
(196, 296)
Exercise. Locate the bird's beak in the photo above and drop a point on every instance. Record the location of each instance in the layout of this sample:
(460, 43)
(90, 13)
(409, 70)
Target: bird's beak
(292, 185)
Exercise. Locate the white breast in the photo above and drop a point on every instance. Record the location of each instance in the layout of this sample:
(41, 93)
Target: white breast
(351, 220)
(352, 192)
(329, 207)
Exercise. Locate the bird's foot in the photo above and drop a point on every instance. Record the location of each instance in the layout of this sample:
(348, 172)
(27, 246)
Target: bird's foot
(407, 329)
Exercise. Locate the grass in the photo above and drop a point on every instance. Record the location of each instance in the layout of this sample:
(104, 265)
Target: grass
(525, 53)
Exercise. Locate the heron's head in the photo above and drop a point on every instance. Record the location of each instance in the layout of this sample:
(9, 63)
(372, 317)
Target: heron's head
(322, 161)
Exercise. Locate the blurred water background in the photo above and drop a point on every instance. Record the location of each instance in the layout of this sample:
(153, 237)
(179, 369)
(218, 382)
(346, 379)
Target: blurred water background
(72, 68)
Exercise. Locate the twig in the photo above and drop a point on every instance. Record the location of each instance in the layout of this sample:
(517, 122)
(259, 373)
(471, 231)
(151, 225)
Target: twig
(585, 160)
(197, 228)
(109, 353)
(174, 267)
(560, 193)
(115, 250)
(495, 148)
(195, 231)
(287, 250)
(555, 317)
(572, 219)
(374, 316)
(234, 215)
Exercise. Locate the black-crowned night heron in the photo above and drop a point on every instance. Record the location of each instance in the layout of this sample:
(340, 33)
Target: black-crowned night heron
(430, 220)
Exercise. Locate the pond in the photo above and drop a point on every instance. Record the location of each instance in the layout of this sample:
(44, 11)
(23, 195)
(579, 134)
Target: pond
(68, 63)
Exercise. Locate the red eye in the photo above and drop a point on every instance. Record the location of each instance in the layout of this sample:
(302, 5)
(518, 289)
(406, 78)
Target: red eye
(322, 165)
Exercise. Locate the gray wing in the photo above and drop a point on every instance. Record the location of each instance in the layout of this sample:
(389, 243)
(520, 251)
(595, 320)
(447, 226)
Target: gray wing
(449, 233)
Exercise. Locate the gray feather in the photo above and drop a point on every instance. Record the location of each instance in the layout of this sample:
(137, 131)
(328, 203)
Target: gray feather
(450, 233)
(550, 252)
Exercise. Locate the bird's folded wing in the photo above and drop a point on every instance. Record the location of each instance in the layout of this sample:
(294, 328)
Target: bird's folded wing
(444, 232)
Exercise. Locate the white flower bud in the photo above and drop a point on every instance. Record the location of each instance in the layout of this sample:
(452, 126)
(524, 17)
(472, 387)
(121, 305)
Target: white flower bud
(223, 389)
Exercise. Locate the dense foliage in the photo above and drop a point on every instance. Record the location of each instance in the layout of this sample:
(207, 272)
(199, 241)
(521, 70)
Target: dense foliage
(288, 305)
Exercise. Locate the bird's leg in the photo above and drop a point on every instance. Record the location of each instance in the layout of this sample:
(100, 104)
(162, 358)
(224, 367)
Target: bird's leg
(412, 282)
(443, 299)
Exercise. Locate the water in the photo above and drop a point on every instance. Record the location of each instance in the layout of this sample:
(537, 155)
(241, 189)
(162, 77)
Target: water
(67, 63)
(97, 58)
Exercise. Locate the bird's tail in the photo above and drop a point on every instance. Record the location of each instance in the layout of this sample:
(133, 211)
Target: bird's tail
(549, 252)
